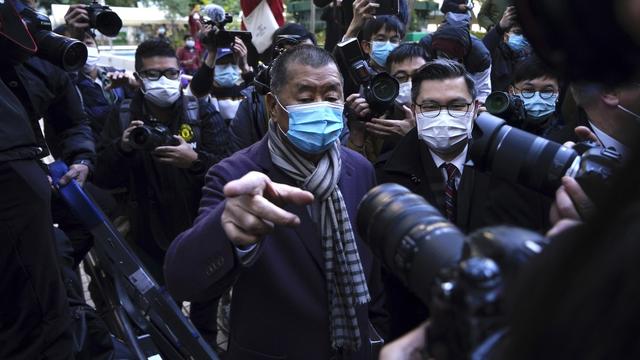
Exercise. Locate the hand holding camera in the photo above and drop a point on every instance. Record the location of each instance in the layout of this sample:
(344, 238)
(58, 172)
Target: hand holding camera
(240, 55)
(387, 127)
(509, 18)
(181, 156)
(125, 140)
(363, 10)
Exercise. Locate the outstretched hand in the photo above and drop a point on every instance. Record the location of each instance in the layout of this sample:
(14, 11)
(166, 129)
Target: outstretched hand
(253, 207)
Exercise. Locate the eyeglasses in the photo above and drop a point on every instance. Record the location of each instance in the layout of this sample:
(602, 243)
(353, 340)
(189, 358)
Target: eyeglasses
(171, 74)
(432, 110)
(529, 93)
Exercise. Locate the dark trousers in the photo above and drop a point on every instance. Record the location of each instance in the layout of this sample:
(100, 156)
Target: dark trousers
(34, 313)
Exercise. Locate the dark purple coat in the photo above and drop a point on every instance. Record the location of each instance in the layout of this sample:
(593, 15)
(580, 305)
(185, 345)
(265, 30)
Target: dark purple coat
(279, 306)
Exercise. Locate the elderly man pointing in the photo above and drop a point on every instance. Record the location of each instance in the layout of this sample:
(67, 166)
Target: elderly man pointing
(276, 223)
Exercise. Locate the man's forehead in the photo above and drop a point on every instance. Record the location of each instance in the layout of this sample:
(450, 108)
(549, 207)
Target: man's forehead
(159, 62)
(306, 74)
(444, 89)
(409, 65)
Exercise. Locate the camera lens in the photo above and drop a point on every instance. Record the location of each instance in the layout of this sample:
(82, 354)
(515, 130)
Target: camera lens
(108, 22)
(497, 103)
(62, 51)
(384, 88)
(518, 156)
(140, 137)
(411, 237)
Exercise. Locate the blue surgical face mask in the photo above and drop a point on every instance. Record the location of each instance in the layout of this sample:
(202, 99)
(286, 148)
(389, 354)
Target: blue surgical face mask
(537, 107)
(380, 51)
(314, 127)
(227, 75)
(517, 43)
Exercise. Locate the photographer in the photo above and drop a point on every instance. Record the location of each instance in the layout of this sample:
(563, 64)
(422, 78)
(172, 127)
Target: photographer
(380, 36)
(163, 172)
(220, 63)
(276, 223)
(251, 120)
(539, 89)
(507, 46)
(402, 63)
(453, 40)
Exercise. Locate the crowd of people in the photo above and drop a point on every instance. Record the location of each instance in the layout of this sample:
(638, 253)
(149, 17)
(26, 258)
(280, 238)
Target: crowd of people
(244, 202)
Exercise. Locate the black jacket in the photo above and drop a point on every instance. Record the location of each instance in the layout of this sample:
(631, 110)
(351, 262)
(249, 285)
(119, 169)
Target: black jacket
(251, 120)
(17, 141)
(46, 91)
(163, 199)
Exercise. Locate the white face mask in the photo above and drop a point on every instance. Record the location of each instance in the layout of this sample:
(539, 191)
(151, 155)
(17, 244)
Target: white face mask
(404, 94)
(93, 55)
(162, 92)
(190, 43)
(444, 131)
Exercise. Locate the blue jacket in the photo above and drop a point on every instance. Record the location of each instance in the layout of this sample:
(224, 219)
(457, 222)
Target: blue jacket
(279, 302)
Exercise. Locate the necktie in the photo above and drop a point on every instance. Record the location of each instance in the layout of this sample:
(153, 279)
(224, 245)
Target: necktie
(450, 192)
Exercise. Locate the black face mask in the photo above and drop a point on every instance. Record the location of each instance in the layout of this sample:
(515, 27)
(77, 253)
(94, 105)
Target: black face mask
(16, 41)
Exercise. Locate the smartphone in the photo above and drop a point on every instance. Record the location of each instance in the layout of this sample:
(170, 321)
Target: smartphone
(388, 7)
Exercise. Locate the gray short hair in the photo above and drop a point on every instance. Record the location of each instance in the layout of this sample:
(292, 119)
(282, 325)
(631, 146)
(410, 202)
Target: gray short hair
(308, 55)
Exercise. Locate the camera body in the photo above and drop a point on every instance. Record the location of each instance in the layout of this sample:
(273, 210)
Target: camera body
(461, 278)
(537, 163)
(262, 79)
(149, 137)
(508, 107)
(379, 89)
(102, 18)
(218, 37)
(64, 52)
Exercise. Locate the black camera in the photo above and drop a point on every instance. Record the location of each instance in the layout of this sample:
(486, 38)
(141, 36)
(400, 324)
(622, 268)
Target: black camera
(379, 89)
(102, 18)
(67, 53)
(262, 79)
(461, 279)
(148, 137)
(535, 162)
(218, 37)
(508, 107)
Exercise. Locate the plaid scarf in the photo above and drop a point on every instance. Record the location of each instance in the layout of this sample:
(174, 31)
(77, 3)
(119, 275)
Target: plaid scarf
(346, 283)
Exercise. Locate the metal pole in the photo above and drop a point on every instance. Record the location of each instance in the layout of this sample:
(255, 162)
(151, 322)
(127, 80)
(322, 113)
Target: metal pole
(312, 21)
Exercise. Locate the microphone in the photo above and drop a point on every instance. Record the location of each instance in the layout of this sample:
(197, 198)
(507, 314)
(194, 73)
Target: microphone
(214, 12)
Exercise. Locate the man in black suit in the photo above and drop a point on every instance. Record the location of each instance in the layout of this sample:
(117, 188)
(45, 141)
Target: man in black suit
(431, 161)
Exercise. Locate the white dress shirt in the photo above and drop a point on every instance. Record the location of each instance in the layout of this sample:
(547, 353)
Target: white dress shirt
(458, 162)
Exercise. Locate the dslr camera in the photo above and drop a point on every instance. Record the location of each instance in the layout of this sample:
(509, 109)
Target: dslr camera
(218, 37)
(149, 137)
(103, 19)
(508, 107)
(379, 89)
(537, 163)
(66, 53)
(463, 280)
(262, 79)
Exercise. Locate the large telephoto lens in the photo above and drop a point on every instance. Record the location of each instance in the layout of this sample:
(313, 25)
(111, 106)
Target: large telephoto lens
(518, 156)
(67, 53)
(411, 237)
(107, 22)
